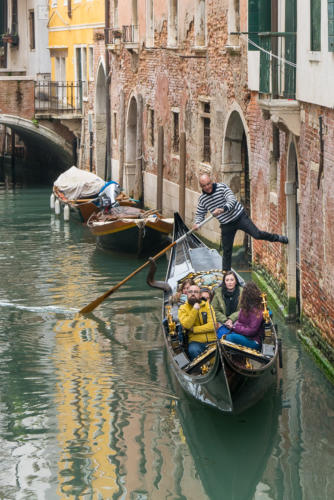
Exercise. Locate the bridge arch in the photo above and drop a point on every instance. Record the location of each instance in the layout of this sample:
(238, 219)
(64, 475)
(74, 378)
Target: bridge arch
(44, 146)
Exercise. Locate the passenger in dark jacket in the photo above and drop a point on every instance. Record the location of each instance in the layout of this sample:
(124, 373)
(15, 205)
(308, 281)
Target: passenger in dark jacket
(226, 300)
(248, 330)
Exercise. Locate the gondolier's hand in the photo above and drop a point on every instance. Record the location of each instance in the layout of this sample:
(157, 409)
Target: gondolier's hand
(218, 211)
(195, 226)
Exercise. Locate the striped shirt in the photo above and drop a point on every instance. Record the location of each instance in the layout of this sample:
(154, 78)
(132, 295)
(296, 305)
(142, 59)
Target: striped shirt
(220, 197)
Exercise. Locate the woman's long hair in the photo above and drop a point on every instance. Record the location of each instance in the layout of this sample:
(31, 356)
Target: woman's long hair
(251, 297)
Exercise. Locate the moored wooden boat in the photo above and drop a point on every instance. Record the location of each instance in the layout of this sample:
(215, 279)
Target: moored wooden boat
(226, 376)
(85, 207)
(130, 229)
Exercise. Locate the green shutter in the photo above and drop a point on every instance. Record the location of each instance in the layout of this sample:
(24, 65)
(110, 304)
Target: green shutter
(315, 25)
(331, 25)
(253, 22)
(259, 20)
(290, 48)
(264, 15)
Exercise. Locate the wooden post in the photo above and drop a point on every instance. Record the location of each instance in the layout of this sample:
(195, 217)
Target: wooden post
(121, 138)
(182, 176)
(108, 157)
(138, 190)
(160, 176)
(13, 159)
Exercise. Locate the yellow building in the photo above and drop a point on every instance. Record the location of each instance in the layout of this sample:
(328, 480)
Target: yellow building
(71, 38)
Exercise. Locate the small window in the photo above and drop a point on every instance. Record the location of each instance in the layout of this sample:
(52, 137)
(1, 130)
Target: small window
(176, 132)
(91, 63)
(149, 23)
(206, 140)
(315, 25)
(32, 29)
(172, 23)
(200, 23)
(331, 25)
(205, 130)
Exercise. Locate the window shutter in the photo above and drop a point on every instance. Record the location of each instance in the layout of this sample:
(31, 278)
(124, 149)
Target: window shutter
(331, 25)
(253, 22)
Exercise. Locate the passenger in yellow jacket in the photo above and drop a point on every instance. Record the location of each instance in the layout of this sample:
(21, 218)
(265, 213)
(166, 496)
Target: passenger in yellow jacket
(198, 318)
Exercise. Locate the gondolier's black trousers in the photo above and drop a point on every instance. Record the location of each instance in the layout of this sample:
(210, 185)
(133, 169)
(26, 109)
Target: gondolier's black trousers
(246, 224)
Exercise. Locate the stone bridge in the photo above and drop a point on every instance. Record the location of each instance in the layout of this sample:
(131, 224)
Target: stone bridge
(46, 138)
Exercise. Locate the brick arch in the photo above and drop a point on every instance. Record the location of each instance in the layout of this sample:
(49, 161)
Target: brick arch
(235, 165)
(292, 211)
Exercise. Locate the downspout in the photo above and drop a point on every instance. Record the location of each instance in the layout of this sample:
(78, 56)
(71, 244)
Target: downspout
(321, 159)
(107, 167)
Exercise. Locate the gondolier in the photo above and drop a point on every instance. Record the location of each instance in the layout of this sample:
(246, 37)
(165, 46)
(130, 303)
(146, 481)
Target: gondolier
(220, 200)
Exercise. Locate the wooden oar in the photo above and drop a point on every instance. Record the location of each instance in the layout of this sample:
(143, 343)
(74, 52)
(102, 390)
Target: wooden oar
(90, 307)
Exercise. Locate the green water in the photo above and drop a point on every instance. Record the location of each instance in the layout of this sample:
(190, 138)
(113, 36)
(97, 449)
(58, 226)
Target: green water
(88, 407)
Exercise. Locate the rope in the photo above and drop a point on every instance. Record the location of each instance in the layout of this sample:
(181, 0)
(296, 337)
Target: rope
(289, 63)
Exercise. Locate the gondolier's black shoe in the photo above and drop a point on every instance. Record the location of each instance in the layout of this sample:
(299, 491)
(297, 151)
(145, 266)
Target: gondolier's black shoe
(283, 239)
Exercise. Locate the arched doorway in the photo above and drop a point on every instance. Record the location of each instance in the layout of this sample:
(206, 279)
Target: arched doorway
(291, 190)
(236, 170)
(130, 150)
(100, 121)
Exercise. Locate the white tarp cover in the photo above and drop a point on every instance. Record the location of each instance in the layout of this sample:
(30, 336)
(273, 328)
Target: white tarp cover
(76, 183)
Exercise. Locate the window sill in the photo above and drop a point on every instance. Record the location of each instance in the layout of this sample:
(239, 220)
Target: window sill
(233, 49)
(199, 48)
(314, 56)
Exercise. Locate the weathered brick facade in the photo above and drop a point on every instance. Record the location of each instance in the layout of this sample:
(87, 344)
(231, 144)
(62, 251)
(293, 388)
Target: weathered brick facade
(185, 79)
(17, 97)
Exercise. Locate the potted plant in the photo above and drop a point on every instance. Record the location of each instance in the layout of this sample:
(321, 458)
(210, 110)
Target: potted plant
(11, 38)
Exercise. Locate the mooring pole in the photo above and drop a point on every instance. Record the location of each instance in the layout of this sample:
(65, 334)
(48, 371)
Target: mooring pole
(160, 176)
(182, 176)
(107, 171)
(13, 159)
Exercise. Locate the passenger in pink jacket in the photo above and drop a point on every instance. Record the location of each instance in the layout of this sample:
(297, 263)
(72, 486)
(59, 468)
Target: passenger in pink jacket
(248, 329)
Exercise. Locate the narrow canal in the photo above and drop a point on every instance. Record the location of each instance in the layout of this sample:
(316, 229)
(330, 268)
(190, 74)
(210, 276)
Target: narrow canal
(88, 407)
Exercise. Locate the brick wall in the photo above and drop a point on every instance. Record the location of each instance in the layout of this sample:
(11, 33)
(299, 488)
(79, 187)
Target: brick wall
(17, 98)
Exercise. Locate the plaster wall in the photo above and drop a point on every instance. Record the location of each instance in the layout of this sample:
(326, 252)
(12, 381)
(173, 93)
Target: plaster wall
(315, 70)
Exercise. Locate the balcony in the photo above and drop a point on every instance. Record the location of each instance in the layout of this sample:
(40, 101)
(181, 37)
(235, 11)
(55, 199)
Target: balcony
(59, 99)
(277, 85)
(130, 37)
(113, 38)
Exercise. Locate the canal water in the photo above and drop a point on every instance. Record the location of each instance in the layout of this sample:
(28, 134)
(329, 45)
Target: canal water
(88, 407)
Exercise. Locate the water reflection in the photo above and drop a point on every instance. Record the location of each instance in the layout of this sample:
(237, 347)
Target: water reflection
(88, 407)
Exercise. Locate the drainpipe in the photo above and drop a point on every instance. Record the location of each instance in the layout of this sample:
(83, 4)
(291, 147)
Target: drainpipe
(321, 159)
(107, 167)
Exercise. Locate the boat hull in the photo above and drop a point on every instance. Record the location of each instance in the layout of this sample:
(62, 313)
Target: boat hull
(129, 238)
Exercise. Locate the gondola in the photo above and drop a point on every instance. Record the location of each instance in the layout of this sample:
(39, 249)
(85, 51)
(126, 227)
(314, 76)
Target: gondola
(130, 229)
(226, 376)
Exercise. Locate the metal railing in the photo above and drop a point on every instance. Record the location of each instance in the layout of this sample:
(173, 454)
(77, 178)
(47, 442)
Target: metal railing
(59, 97)
(130, 33)
(277, 75)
